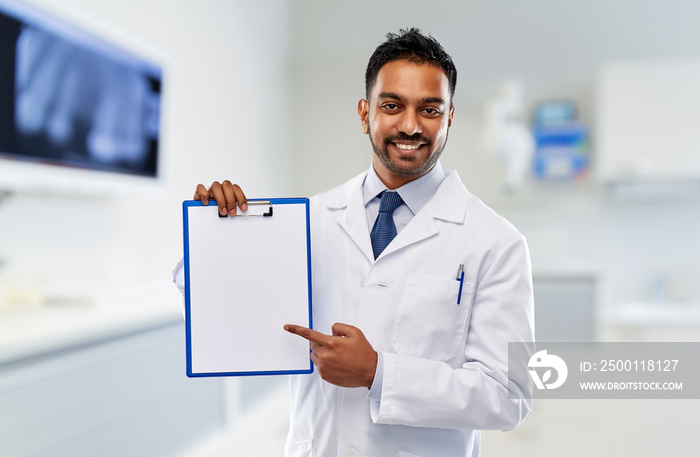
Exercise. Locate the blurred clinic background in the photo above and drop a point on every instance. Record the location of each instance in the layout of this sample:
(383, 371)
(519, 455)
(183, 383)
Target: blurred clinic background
(576, 120)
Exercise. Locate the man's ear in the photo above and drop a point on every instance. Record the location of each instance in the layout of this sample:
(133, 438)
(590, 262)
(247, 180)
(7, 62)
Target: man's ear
(449, 119)
(363, 111)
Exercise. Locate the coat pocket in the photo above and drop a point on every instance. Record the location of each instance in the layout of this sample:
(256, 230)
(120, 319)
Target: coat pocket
(429, 322)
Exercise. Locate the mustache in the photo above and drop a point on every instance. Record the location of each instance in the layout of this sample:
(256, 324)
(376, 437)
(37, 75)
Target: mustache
(417, 137)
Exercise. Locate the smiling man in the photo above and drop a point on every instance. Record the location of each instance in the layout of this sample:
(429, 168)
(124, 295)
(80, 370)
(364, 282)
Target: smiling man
(408, 119)
(418, 287)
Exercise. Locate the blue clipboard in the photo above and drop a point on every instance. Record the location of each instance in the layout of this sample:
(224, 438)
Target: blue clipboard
(245, 277)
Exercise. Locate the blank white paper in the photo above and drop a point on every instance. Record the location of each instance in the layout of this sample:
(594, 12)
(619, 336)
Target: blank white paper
(248, 276)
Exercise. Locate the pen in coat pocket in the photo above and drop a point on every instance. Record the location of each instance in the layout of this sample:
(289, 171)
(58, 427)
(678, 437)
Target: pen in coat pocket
(460, 278)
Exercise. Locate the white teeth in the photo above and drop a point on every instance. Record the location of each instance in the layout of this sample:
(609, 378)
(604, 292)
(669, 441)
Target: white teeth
(407, 146)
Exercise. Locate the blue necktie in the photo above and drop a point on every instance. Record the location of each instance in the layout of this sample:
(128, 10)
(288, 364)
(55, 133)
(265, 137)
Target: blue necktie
(384, 229)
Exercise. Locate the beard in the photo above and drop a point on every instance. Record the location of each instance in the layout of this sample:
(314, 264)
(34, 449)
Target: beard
(406, 166)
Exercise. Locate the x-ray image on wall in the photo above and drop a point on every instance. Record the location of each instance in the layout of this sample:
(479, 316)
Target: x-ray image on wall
(78, 105)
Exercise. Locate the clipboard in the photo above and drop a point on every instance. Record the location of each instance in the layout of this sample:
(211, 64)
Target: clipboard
(245, 277)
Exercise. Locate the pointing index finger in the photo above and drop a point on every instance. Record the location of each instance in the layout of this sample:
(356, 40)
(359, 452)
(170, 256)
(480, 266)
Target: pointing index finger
(307, 333)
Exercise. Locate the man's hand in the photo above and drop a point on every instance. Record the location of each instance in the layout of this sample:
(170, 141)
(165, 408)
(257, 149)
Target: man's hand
(345, 358)
(227, 195)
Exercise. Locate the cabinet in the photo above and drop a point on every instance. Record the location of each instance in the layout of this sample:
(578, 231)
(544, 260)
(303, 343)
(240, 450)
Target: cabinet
(123, 392)
(646, 133)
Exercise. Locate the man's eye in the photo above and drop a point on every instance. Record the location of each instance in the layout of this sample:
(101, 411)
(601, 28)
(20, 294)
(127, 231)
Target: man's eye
(390, 106)
(431, 111)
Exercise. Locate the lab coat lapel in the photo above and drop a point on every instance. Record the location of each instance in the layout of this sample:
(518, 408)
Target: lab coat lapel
(449, 204)
(353, 219)
(422, 226)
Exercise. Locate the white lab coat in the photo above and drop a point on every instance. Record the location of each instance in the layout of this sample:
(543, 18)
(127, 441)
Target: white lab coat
(445, 365)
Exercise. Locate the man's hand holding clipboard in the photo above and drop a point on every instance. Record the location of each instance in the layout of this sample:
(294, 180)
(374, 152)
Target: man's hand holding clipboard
(226, 195)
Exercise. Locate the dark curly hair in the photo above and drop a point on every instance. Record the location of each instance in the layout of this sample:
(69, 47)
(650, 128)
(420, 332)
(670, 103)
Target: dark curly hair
(413, 46)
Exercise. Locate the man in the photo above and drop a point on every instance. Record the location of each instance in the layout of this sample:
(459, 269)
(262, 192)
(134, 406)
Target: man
(411, 356)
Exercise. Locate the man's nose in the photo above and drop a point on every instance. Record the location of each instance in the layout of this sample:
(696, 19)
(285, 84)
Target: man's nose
(409, 123)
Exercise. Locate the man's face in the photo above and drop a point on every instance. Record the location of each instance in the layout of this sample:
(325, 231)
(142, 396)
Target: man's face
(407, 118)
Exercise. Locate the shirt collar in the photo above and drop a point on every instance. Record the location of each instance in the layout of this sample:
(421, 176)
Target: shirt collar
(415, 194)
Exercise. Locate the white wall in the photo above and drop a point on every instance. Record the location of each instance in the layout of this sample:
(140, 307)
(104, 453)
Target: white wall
(225, 89)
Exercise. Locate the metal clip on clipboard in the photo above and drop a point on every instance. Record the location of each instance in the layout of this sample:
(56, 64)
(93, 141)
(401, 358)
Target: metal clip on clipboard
(255, 203)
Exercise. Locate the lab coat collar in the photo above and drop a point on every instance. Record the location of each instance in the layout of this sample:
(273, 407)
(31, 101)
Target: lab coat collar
(346, 192)
(448, 204)
(450, 201)
(451, 206)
